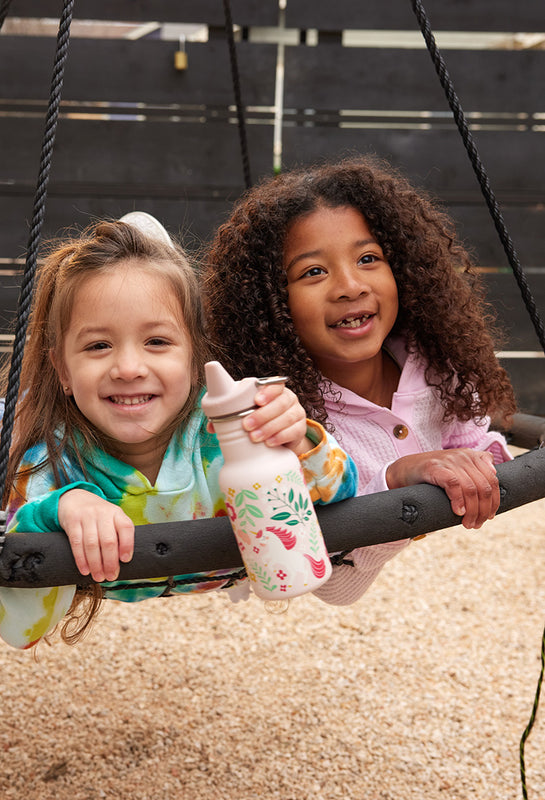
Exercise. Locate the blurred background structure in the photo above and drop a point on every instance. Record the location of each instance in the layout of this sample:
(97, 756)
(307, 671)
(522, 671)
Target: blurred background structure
(148, 121)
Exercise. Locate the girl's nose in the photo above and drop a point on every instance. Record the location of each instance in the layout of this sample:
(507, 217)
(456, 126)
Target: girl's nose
(350, 283)
(128, 365)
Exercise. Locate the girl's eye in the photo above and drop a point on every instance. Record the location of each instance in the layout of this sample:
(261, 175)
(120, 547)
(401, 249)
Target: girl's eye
(98, 346)
(157, 341)
(313, 272)
(368, 258)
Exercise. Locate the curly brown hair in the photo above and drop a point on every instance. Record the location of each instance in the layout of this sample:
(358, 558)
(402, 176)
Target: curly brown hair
(442, 310)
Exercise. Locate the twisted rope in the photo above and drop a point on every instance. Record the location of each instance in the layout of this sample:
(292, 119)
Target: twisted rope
(172, 583)
(509, 248)
(238, 99)
(4, 8)
(38, 215)
(531, 721)
(479, 170)
(231, 578)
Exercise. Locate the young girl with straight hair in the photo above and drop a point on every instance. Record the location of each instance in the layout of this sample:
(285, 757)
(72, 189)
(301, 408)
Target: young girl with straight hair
(109, 432)
(353, 283)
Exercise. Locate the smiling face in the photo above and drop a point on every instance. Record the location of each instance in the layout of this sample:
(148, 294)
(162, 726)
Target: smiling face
(342, 293)
(127, 360)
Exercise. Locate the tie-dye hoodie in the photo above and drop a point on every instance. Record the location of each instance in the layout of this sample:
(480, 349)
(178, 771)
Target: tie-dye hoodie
(187, 487)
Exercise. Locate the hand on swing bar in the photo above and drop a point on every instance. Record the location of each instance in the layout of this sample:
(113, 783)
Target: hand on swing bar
(467, 476)
(100, 533)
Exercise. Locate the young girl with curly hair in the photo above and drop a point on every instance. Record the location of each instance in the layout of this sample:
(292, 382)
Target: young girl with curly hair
(351, 282)
(109, 430)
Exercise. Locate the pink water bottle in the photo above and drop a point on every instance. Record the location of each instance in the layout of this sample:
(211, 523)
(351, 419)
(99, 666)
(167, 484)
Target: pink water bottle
(267, 500)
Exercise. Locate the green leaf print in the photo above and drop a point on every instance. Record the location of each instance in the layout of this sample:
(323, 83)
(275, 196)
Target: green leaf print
(282, 516)
(298, 508)
(264, 579)
(254, 511)
(295, 477)
(239, 498)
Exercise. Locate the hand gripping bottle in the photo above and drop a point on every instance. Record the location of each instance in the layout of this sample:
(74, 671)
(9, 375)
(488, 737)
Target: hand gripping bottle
(267, 500)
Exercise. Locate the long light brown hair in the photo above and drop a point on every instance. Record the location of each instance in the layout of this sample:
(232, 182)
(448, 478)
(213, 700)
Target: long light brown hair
(44, 413)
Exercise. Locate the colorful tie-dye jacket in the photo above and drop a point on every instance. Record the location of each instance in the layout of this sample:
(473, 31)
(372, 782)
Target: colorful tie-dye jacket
(186, 488)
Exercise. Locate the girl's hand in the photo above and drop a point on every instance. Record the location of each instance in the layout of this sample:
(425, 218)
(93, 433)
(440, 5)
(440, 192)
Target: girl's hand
(467, 476)
(100, 533)
(280, 419)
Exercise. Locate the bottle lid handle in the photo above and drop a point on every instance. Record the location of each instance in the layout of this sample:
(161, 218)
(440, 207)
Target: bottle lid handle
(273, 380)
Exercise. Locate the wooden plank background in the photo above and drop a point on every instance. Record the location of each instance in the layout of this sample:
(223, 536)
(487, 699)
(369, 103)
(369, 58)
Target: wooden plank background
(140, 71)
(459, 15)
(486, 81)
(136, 133)
(244, 12)
(444, 15)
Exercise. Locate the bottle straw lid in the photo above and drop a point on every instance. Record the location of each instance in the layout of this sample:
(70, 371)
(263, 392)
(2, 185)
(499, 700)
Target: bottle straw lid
(225, 396)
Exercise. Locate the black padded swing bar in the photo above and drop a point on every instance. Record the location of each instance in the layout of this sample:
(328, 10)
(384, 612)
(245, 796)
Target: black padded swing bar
(31, 560)
(526, 431)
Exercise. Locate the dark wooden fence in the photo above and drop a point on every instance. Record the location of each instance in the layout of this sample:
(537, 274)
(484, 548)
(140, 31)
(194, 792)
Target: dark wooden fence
(136, 133)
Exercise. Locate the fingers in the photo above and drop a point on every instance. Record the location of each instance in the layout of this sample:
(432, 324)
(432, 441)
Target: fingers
(100, 534)
(99, 543)
(75, 537)
(279, 420)
(484, 498)
(107, 540)
(467, 476)
(125, 536)
(470, 481)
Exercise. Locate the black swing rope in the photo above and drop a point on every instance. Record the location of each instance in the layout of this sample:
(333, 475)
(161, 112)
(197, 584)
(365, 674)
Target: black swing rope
(38, 216)
(479, 169)
(4, 8)
(238, 96)
(520, 277)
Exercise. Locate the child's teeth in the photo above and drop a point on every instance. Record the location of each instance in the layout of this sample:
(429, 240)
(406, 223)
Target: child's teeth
(355, 322)
(131, 401)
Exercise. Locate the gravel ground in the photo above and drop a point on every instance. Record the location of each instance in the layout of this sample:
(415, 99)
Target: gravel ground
(421, 689)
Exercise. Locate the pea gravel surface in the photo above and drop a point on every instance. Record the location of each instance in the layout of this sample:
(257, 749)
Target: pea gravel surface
(421, 689)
